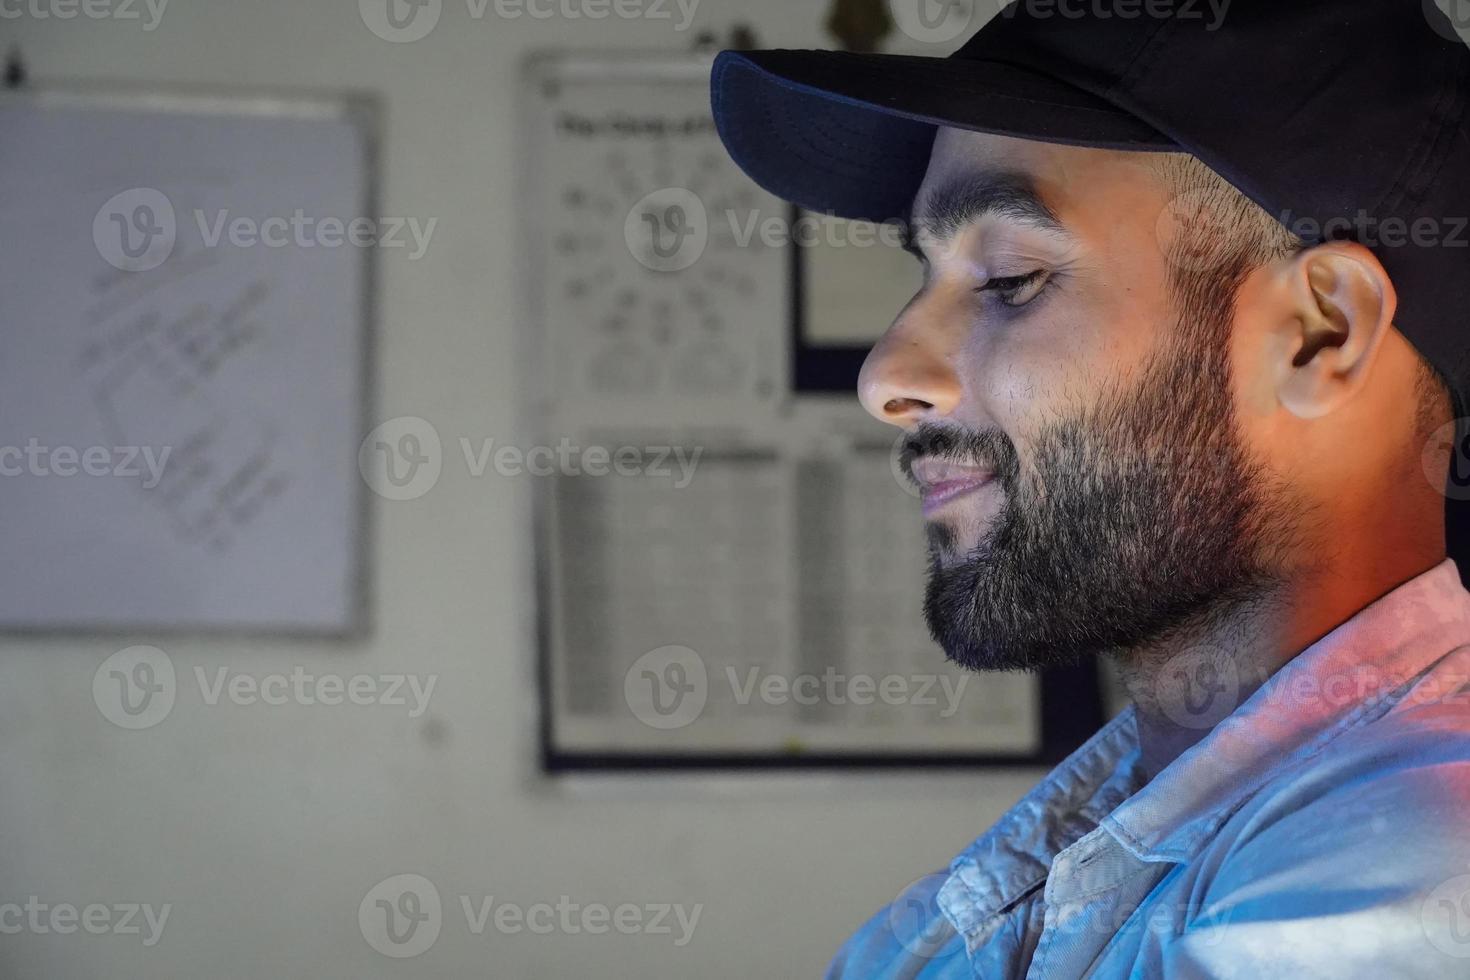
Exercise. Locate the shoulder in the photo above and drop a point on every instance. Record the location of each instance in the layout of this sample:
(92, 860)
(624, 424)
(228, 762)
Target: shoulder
(1398, 783)
(1410, 768)
(1357, 856)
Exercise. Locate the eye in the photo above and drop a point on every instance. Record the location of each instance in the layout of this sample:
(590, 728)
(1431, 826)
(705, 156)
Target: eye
(1017, 290)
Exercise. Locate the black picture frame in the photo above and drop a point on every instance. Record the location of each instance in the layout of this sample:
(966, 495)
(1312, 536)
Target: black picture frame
(1072, 708)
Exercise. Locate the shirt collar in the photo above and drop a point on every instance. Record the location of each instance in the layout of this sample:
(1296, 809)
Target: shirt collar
(1341, 680)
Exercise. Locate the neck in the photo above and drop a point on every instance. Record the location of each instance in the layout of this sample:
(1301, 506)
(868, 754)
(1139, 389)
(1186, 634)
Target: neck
(1185, 684)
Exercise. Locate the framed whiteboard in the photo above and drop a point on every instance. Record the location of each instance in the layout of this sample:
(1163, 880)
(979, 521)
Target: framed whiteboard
(184, 359)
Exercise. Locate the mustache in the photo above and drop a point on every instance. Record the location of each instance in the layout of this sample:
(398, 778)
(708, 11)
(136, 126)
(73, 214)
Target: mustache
(987, 448)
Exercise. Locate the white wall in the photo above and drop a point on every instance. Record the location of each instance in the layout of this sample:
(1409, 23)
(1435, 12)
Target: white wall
(264, 827)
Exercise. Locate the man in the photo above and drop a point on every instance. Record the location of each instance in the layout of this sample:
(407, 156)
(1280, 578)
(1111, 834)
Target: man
(1180, 388)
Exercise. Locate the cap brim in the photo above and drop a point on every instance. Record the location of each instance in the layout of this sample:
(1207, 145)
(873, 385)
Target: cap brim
(850, 134)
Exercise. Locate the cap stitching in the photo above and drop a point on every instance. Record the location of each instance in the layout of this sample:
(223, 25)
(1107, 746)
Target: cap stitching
(1416, 176)
(740, 134)
(1144, 57)
(825, 124)
(830, 121)
(804, 148)
(969, 89)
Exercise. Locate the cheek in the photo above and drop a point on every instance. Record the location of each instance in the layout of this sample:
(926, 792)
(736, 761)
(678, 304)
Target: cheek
(1257, 352)
(1041, 368)
(1053, 361)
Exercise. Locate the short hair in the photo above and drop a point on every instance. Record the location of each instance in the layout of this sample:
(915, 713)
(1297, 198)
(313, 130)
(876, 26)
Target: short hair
(1242, 236)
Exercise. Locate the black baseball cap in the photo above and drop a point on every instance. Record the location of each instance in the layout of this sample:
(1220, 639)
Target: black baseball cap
(1343, 119)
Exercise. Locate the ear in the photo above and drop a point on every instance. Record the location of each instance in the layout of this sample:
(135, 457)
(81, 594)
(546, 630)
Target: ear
(1338, 305)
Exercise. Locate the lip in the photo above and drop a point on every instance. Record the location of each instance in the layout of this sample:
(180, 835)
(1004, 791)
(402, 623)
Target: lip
(941, 482)
(935, 496)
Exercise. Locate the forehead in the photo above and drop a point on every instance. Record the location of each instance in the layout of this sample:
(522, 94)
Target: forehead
(1078, 185)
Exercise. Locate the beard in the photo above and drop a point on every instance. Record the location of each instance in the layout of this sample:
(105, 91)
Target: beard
(1138, 517)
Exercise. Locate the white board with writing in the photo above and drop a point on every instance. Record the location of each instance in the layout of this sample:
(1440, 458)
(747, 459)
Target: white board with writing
(183, 323)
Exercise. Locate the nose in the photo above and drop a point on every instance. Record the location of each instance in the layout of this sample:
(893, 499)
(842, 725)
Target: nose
(909, 376)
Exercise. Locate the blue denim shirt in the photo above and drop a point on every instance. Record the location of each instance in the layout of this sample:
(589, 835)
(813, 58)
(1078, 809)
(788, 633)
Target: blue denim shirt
(1322, 829)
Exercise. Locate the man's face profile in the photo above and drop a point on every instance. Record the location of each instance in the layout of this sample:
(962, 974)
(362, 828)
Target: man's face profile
(1065, 377)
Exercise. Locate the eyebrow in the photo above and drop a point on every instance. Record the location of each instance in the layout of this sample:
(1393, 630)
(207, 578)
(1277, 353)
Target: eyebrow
(958, 202)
